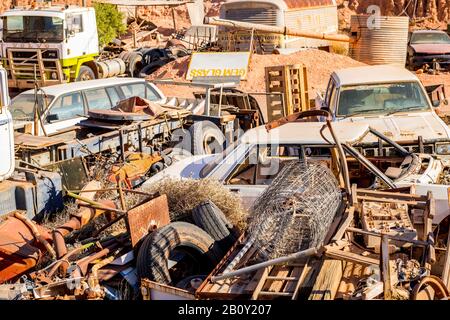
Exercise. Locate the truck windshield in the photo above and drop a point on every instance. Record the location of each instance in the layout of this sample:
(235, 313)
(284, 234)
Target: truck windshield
(32, 28)
(22, 106)
(381, 99)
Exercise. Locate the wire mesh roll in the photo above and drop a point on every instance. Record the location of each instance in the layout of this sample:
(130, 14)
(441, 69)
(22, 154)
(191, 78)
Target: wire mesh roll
(295, 212)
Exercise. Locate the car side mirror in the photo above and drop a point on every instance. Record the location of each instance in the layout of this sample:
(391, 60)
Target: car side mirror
(52, 117)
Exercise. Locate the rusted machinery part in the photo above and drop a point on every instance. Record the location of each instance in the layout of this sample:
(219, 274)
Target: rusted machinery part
(93, 276)
(30, 224)
(440, 290)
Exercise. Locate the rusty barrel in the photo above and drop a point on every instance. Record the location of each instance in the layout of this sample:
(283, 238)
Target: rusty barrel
(379, 39)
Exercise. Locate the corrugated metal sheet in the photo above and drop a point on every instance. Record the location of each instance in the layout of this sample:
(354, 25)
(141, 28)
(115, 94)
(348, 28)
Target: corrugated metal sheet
(253, 15)
(323, 20)
(297, 4)
(386, 44)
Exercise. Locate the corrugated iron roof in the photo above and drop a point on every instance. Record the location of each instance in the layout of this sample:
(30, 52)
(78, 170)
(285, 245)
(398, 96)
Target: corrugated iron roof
(293, 4)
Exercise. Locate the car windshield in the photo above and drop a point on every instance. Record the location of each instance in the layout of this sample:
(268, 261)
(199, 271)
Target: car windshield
(381, 99)
(33, 28)
(210, 166)
(430, 37)
(22, 106)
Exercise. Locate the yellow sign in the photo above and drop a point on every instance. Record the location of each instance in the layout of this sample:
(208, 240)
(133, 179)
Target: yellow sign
(218, 64)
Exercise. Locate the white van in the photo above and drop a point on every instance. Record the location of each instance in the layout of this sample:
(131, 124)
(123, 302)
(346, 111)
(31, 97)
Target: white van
(62, 106)
(6, 130)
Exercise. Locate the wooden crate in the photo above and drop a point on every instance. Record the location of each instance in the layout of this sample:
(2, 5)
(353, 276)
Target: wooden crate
(292, 82)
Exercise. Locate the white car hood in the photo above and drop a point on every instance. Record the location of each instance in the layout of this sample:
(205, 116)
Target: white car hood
(189, 167)
(406, 126)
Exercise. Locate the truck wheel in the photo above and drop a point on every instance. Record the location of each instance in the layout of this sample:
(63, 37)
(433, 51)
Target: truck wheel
(181, 238)
(211, 219)
(85, 74)
(206, 138)
(135, 65)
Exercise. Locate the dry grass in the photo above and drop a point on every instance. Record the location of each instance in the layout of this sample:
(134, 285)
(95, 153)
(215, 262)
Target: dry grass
(185, 195)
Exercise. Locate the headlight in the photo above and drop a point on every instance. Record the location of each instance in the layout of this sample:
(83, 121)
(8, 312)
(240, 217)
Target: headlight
(443, 148)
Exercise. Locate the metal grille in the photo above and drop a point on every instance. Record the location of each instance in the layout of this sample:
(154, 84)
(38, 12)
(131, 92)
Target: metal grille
(295, 211)
(390, 151)
(253, 15)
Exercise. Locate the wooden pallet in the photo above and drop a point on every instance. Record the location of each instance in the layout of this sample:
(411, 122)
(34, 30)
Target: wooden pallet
(289, 87)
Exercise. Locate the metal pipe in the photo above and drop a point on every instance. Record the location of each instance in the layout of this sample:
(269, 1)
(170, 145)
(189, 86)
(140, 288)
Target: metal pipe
(274, 29)
(342, 160)
(301, 254)
(30, 224)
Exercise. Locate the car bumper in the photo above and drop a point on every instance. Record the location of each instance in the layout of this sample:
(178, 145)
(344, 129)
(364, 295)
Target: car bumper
(442, 59)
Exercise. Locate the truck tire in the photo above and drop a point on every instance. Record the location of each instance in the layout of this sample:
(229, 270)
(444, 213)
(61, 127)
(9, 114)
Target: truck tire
(206, 138)
(154, 253)
(211, 219)
(135, 64)
(85, 74)
(182, 138)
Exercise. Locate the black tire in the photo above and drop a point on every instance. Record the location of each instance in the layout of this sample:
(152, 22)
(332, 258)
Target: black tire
(86, 73)
(153, 255)
(157, 167)
(182, 138)
(211, 219)
(135, 64)
(206, 138)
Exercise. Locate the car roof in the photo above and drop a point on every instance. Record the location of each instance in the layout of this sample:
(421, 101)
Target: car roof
(306, 133)
(59, 89)
(428, 31)
(372, 74)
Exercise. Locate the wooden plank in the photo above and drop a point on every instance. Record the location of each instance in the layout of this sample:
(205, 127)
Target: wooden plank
(349, 256)
(327, 281)
(261, 283)
(390, 200)
(384, 267)
(345, 223)
(301, 280)
(397, 195)
(278, 285)
(251, 286)
(446, 270)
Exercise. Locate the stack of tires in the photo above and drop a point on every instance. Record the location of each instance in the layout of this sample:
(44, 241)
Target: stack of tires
(201, 243)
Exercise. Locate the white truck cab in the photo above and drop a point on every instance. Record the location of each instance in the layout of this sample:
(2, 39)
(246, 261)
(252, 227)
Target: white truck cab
(53, 44)
(391, 100)
(6, 130)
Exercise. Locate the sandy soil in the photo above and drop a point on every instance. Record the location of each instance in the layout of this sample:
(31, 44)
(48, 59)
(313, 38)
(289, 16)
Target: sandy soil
(319, 64)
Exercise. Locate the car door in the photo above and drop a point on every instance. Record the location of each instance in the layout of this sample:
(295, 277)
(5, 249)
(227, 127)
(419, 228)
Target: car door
(255, 171)
(67, 110)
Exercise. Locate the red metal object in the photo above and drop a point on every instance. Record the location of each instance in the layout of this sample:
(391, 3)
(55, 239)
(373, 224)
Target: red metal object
(19, 250)
(148, 216)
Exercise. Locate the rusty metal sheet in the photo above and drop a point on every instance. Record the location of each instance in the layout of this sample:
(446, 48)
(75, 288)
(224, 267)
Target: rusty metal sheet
(35, 142)
(146, 216)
